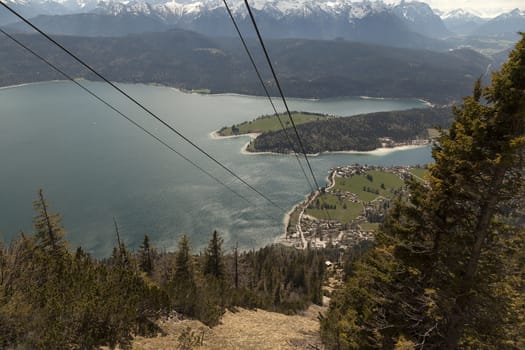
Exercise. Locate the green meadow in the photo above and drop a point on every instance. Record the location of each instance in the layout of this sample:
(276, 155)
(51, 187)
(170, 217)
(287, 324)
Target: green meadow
(371, 185)
(344, 211)
(270, 123)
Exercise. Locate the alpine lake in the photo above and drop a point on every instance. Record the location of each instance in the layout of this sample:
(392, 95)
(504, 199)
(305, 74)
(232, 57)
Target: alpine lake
(94, 166)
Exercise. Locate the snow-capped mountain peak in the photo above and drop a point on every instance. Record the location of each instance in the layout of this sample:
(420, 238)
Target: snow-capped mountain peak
(414, 10)
(132, 7)
(180, 8)
(459, 14)
(421, 18)
(516, 13)
(323, 19)
(274, 8)
(18, 2)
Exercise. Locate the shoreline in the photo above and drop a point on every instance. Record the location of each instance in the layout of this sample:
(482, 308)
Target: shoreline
(281, 239)
(14, 86)
(363, 97)
(216, 136)
(235, 94)
(376, 152)
(381, 151)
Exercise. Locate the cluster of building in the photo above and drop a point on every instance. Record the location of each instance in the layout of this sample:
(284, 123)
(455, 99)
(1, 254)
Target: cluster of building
(313, 232)
(387, 142)
(358, 169)
(319, 233)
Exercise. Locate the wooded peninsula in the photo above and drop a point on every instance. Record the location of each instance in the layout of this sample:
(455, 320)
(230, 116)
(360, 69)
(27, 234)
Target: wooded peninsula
(321, 133)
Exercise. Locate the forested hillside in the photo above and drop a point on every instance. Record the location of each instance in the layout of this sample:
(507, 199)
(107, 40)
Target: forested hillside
(306, 68)
(53, 297)
(448, 268)
(357, 133)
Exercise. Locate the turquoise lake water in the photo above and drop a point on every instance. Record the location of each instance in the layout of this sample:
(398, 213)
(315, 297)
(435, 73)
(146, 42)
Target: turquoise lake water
(93, 165)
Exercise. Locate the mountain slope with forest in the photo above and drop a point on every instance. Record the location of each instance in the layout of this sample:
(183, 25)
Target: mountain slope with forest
(307, 68)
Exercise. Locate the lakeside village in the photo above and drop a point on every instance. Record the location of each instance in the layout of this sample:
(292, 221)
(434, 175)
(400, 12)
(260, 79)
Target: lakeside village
(349, 211)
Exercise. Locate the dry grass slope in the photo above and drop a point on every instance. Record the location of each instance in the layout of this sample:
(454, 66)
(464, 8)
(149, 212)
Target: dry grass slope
(245, 329)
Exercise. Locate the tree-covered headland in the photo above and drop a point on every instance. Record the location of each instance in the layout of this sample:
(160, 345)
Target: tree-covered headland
(364, 132)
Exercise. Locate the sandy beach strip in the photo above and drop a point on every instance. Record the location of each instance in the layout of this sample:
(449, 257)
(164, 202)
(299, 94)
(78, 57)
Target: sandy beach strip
(14, 86)
(216, 136)
(380, 151)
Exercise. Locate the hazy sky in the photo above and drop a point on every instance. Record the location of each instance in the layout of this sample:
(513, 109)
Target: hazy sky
(486, 8)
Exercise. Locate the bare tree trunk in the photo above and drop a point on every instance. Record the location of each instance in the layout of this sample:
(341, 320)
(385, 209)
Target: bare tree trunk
(50, 232)
(236, 264)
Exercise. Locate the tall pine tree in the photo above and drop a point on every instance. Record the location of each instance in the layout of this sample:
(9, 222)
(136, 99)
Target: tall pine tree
(213, 259)
(184, 286)
(146, 256)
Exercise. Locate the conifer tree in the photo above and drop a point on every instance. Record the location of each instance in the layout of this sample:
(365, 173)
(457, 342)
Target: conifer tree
(184, 286)
(213, 263)
(183, 261)
(146, 256)
(48, 231)
(443, 274)
(484, 157)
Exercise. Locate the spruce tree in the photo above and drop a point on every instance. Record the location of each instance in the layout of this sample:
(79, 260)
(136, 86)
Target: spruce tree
(146, 256)
(213, 263)
(184, 286)
(445, 273)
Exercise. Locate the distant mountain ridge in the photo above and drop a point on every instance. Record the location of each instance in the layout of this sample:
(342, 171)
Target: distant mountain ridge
(404, 25)
(465, 22)
(94, 25)
(307, 68)
(407, 24)
(461, 21)
(506, 23)
(32, 8)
